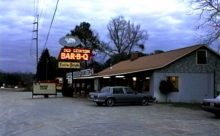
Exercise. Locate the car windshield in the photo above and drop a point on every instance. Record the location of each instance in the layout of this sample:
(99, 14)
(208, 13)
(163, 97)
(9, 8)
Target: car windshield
(218, 97)
(105, 90)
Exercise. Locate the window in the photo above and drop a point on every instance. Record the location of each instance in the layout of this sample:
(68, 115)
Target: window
(105, 90)
(201, 57)
(118, 91)
(174, 80)
(129, 91)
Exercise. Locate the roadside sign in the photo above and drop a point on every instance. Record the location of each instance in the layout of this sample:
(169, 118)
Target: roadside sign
(73, 54)
(70, 41)
(44, 89)
(68, 65)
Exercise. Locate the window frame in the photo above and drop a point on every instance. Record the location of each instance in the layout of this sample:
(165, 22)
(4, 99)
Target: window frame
(176, 85)
(197, 59)
(114, 89)
(129, 90)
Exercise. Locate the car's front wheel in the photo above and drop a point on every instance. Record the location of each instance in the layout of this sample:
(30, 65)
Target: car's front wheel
(110, 102)
(144, 101)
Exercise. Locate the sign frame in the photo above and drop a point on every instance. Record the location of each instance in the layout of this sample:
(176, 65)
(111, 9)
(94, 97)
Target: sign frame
(66, 64)
(44, 89)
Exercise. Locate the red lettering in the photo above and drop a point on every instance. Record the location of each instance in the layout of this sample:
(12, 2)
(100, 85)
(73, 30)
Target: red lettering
(72, 56)
(67, 56)
(78, 56)
(85, 57)
(63, 56)
(66, 50)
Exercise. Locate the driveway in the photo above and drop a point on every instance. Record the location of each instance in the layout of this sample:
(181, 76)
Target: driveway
(20, 115)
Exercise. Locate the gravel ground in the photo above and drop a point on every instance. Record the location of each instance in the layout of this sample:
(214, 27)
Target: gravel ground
(20, 115)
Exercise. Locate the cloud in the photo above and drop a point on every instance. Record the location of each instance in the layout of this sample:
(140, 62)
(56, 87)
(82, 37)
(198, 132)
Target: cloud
(167, 22)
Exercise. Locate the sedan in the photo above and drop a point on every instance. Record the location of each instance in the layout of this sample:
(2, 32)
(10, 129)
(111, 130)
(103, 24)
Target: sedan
(119, 94)
(212, 105)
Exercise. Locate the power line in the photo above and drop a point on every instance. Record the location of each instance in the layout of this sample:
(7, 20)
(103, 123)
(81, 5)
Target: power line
(45, 45)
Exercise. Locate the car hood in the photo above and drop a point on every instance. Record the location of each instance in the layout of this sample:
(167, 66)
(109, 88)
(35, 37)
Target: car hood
(214, 100)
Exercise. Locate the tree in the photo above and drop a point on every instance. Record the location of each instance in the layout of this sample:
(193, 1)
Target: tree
(210, 12)
(87, 36)
(46, 68)
(115, 59)
(89, 39)
(124, 36)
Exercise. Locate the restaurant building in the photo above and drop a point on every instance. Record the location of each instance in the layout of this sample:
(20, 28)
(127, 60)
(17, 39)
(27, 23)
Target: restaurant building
(194, 72)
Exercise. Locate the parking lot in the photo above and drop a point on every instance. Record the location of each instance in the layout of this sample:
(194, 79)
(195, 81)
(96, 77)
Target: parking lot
(20, 115)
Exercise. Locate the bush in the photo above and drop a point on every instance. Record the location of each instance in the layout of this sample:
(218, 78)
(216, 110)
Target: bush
(166, 87)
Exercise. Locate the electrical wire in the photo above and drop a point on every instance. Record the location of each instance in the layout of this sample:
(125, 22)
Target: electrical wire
(45, 45)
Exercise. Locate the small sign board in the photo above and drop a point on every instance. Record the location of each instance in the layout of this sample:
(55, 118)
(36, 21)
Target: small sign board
(68, 65)
(83, 73)
(44, 89)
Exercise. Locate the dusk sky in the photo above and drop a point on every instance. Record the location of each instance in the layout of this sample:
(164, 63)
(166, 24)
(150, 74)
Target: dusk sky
(170, 24)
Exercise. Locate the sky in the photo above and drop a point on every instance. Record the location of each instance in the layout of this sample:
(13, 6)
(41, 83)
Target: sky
(171, 24)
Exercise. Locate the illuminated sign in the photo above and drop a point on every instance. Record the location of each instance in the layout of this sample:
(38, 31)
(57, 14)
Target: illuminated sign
(70, 41)
(75, 54)
(68, 65)
(83, 73)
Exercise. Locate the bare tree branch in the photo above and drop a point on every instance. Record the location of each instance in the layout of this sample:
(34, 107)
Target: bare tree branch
(210, 13)
(124, 36)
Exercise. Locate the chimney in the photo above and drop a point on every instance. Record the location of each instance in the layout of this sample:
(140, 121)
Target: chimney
(134, 56)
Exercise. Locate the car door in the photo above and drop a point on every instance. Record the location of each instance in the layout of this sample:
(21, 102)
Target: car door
(131, 95)
(118, 94)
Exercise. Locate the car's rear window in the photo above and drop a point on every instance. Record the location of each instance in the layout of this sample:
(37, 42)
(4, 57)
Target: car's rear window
(129, 91)
(118, 91)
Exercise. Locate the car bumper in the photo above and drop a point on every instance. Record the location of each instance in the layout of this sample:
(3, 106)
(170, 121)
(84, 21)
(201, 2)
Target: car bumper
(152, 99)
(98, 100)
(211, 109)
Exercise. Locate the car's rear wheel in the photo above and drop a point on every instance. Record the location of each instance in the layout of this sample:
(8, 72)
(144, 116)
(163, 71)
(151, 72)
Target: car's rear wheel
(99, 103)
(144, 101)
(110, 102)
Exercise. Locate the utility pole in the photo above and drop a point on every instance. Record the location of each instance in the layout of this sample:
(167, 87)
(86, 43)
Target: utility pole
(36, 38)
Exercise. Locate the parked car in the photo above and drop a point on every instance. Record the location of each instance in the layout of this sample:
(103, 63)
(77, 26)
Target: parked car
(212, 105)
(111, 95)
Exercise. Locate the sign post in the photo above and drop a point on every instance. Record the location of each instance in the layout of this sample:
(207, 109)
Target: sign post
(70, 56)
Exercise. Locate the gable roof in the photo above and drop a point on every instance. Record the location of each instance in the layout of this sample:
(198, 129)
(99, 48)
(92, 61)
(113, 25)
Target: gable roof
(148, 62)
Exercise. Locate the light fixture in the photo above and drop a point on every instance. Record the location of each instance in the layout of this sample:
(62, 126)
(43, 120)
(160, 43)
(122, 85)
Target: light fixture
(147, 78)
(173, 78)
(119, 76)
(106, 77)
(134, 78)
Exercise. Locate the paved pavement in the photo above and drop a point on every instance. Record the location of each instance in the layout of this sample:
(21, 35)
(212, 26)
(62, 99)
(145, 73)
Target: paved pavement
(20, 115)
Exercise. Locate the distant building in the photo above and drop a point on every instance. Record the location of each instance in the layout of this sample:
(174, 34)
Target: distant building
(194, 71)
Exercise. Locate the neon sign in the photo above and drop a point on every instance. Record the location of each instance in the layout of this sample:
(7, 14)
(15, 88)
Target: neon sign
(75, 54)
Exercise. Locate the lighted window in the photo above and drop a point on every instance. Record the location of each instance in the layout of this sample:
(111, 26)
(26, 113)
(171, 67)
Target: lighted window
(174, 80)
(201, 57)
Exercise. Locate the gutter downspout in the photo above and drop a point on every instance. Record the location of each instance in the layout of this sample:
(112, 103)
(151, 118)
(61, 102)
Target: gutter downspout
(214, 85)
